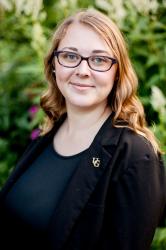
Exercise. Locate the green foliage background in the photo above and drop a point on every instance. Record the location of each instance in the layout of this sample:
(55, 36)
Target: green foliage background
(25, 31)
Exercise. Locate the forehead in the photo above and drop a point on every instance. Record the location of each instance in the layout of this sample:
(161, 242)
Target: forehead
(84, 38)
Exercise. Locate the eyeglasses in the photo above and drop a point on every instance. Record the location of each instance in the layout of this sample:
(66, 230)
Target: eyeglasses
(96, 62)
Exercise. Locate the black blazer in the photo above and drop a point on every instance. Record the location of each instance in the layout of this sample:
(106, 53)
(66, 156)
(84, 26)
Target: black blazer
(116, 197)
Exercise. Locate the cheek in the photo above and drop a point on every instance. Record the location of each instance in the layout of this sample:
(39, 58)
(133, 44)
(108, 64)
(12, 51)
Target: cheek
(62, 75)
(106, 81)
(110, 78)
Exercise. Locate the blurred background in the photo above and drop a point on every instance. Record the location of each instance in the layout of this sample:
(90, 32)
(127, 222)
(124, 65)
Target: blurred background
(26, 27)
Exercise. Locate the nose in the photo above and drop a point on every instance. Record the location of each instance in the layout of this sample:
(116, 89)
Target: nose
(83, 69)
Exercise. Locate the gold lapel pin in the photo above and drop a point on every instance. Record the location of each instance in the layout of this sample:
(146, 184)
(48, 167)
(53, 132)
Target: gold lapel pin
(96, 162)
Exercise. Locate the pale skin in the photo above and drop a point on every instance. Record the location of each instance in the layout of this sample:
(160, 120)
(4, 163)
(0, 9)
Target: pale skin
(85, 91)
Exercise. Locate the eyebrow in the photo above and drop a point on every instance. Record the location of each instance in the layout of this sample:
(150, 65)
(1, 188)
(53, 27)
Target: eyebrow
(93, 51)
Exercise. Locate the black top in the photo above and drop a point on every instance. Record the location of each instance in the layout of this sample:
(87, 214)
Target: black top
(31, 202)
(114, 205)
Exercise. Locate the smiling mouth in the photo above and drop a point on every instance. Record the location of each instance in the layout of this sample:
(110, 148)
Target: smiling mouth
(80, 85)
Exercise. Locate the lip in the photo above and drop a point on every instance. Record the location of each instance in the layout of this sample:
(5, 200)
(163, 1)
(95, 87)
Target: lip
(81, 85)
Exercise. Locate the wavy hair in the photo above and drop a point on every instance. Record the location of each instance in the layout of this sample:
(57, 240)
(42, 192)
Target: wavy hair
(123, 99)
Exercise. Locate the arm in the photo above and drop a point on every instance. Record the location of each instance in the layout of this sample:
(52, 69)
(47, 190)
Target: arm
(137, 202)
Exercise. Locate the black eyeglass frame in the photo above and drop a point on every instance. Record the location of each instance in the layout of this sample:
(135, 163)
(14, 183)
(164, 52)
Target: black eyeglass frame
(56, 53)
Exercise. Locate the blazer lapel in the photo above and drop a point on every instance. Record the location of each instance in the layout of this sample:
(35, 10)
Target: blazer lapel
(83, 183)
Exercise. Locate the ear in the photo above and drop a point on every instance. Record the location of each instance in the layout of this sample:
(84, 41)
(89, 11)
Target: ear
(53, 68)
(53, 65)
(54, 73)
(116, 76)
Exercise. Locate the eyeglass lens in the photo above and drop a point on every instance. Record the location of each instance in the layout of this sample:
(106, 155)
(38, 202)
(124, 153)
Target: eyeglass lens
(95, 62)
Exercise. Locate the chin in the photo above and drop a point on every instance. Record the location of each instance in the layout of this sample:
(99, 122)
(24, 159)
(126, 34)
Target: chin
(83, 105)
(79, 102)
(86, 105)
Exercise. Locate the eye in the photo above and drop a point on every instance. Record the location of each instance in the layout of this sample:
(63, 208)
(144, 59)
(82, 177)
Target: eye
(69, 56)
(98, 60)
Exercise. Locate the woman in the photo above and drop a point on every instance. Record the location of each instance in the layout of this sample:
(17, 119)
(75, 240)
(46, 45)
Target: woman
(94, 179)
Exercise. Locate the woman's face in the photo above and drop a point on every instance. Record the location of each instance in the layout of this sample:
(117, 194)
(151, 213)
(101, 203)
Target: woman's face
(81, 86)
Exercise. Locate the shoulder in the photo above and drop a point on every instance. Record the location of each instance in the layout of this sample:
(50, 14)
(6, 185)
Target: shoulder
(136, 146)
(126, 142)
(134, 157)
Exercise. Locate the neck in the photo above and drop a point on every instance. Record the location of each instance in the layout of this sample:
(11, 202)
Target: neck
(86, 120)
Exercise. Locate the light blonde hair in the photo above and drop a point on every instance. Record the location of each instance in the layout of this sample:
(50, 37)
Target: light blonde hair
(122, 99)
